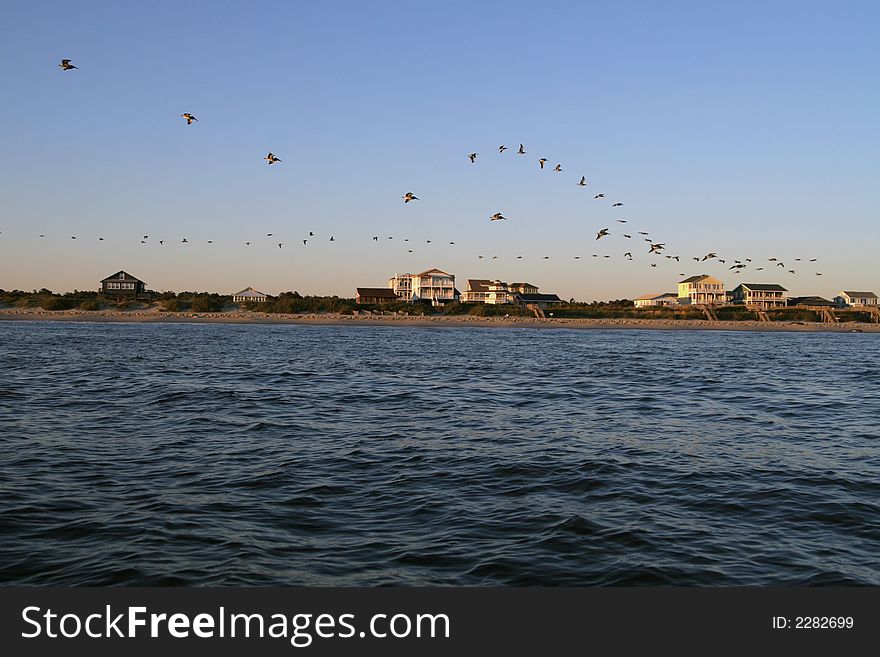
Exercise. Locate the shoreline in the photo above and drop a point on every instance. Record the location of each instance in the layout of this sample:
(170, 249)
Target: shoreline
(239, 317)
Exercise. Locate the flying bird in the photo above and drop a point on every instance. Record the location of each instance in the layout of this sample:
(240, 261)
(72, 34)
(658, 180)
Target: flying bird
(541, 162)
(602, 233)
(473, 157)
(66, 65)
(557, 168)
(305, 241)
(502, 148)
(375, 238)
(271, 158)
(740, 266)
(406, 198)
(656, 248)
(641, 232)
(332, 239)
(497, 217)
(629, 237)
(599, 196)
(583, 182)
(522, 150)
(621, 221)
(189, 118)
(709, 255)
(279, 245)
(184, 241)
(628, 255)
(818, 273)
(616, 205)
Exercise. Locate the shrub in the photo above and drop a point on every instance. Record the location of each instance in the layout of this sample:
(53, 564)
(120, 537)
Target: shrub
(56, 303)
(91, 304)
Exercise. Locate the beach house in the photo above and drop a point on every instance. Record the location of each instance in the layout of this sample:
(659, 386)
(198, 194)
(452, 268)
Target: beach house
(539, 300)
(702, 289)
(485, 291)
(661, 299)
(855, 299)
(123, 285)
(809, 301)
(375, 295)
(760, 295)
(435, 285)
(249, 294)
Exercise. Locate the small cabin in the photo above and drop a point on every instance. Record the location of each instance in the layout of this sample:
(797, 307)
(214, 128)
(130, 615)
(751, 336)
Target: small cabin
(123, 285)
(249, 294)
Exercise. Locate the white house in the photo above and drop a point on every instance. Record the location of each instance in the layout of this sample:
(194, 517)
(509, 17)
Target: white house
(433, 284)
(662, 299)
(249, 294)
(702, 289)
(848, 298)
(485, 291)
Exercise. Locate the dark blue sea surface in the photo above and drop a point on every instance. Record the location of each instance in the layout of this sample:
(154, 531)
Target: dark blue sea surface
(209, 454)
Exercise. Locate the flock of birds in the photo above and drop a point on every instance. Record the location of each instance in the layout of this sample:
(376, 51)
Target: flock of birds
(656, 247)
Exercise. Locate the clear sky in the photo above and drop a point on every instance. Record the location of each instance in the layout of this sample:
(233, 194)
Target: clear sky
(745, 128)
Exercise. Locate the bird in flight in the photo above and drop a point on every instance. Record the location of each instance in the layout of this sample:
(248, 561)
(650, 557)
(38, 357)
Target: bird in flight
(791, 271)
(268, 234)
(583, 182)
(189, 118)
(519, 257)
(721, 261)
(709, 255)
(247, 243)
(305, 241)
(541, 162)
(522, 150)
(557, 168)
(502, 148)
(332, 239)
(818, 273)
(629, 237)
(311, 234)
(375, 238)
(656, 248)
(628, 255)
(473, 157)
(654, 264)
(279, 245)
(759, 269)
(812, 259)
(73, 237)
(409, 197)
(739, 266)
(184, 241)
(497, 217)
(271, 158)
(771, 259)
(599, 196)
(780, 264)
(602, 233)
(616, 205)
(160, 241)
(621, 221)
(641, 232)
(66, 65)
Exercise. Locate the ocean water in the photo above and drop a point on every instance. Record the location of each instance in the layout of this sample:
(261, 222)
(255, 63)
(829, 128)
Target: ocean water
(209, 454)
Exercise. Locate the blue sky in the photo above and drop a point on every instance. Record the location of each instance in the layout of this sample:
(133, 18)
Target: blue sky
(747, 128)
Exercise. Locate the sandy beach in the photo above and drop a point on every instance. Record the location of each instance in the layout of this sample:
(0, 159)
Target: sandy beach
(240, 317)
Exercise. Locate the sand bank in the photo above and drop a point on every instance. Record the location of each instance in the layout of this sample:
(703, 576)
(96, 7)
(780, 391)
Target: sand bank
(239, 317)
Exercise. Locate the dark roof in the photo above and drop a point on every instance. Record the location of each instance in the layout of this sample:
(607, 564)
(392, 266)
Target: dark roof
(376, 292)
(764, 286)
(868, 295)
(478, 284)
(538, 297)
(126, 277)
(694, 279)
(810, 301)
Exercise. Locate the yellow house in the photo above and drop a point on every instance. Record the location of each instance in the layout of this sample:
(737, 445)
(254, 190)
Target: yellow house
(702, 289)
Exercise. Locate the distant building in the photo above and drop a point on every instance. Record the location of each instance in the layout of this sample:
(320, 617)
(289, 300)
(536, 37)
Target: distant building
(809, 301)
(702, 289)
(662, 299)
(123, 285)
(760, 295)
(539, 300)
(485, 291)
(852, 299)
(375, 295)
(249, 294)
(523, 288)
(433, 284)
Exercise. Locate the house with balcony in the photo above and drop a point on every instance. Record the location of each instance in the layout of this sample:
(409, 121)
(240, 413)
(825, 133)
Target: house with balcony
(434, 285)
(760, 295)
(702, 289)
(661, 299)
(539, 300)
(485, 291)
(249, 294)
(850, 299)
